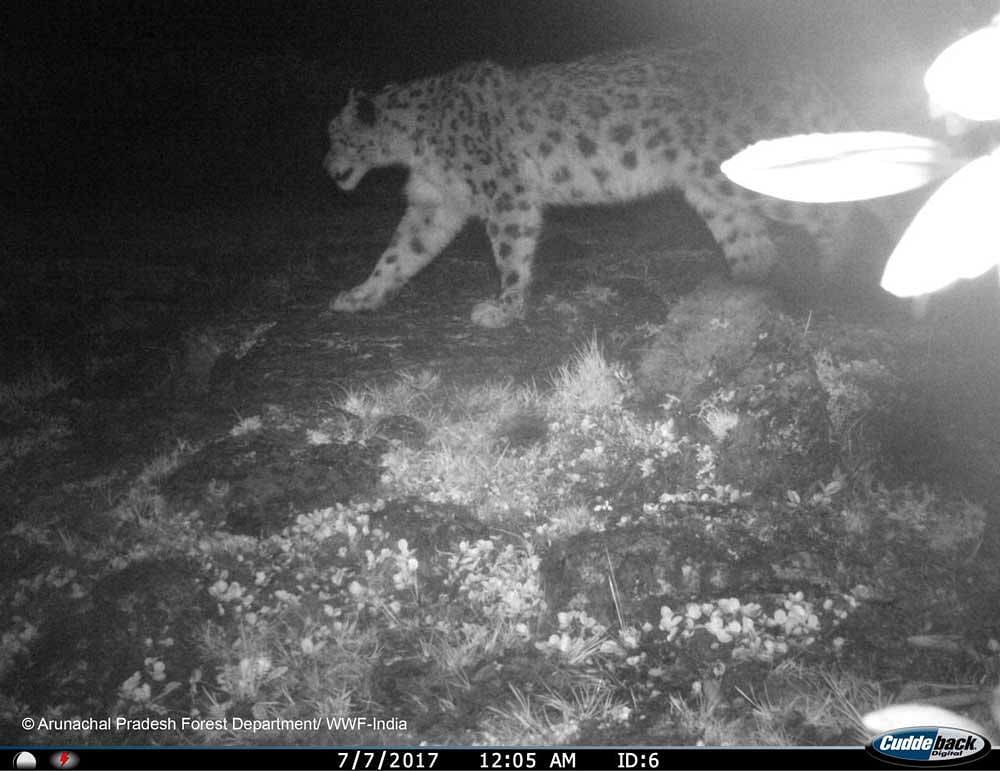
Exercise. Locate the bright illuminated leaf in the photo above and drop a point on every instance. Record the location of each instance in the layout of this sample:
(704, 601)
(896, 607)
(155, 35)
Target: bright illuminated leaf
(897, 716)
(965, 77)
(846, 166)
(953, 236)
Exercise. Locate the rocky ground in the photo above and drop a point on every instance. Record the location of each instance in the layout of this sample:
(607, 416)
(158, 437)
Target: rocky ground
(663, 509)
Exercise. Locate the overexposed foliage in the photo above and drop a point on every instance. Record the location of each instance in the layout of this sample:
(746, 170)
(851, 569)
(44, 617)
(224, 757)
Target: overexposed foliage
(963, 78)
(845, 166)
(954, 235)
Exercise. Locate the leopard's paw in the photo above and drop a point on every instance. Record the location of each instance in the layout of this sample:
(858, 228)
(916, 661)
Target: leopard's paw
(491, 315)
(495, 314)
(364, 297)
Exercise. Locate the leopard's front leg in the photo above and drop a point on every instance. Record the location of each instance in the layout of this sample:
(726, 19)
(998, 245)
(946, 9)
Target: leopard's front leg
(513, 232)
(426, 229)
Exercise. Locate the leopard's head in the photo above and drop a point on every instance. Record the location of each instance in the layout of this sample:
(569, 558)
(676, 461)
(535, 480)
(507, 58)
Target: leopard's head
(355, 141)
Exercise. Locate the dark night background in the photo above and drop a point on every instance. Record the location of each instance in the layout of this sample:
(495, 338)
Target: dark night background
(178, 103)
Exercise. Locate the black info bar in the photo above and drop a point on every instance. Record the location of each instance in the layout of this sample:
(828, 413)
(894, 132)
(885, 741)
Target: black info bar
(446, 758)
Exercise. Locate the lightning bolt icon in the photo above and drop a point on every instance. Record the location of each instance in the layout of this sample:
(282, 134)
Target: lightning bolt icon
(63, 758)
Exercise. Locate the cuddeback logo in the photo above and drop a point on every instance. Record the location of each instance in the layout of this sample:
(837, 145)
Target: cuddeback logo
(929, 746)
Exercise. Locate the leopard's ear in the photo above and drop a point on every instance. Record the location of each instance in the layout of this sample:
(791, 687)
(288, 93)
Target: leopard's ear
(360, 106)
(365, 109)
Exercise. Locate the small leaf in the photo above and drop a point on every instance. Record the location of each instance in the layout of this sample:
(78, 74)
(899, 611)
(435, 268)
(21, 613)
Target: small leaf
(940, 642)
(845, 166)
(953, 236)
(834, 487)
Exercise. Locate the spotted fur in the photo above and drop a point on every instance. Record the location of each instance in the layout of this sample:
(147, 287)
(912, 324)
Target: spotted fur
(487, 142)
